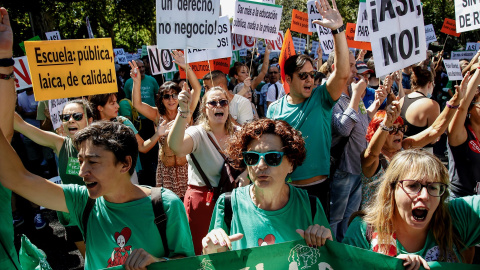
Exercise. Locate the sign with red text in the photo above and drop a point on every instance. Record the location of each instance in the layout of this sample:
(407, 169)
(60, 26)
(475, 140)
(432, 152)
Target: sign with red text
(277, 43)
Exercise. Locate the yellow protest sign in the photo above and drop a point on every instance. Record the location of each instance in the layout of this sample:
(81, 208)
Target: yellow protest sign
(71, 68)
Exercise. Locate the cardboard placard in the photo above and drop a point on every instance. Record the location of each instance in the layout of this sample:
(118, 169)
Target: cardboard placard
(352, 43)
(453, 69)
(313, 15)
(300, 22)
(277, 43)
(472, 46)
(430, 34)
(361, 30)
(161, 61)
(462, 55)
(202, 68)
(449, 27)
(54, 35)
(256, 19)
(71, 68)
(326, 39)
(55, 108)
(467, 14)
(22, 73)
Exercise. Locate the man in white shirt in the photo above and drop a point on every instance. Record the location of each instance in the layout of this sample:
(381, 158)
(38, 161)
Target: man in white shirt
(275, 89)
(239, 107)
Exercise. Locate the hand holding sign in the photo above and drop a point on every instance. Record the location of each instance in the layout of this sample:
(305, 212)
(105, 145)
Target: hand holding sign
(179, 58)
(218, 241)
(315, 235)
(331, 16)
(6, 35)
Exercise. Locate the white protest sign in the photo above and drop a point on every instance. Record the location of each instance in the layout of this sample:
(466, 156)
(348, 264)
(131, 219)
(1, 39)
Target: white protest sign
(472, 46)
(326, 39)
(277, 43)
(182, 24)
(256, 19)
(299, 44)
(462, 55)
(224, 45)
(430, 34)
(22, 73)
(120, 56)
(397, 34)
(54, 35)
(55, 107)
(361, 29)
(161, 61)
(453, 70)
(313, 15)
(467, 15)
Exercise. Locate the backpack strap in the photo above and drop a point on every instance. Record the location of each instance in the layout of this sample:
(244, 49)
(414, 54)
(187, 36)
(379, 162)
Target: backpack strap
(86, 214)
(313, 206)
(202, 173)
(160, 216)
(227, 210)
(276, 91)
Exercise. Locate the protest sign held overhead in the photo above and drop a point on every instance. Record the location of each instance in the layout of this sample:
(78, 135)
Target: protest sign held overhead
(397, 34)
(462, 55)
(449, 28)
(224, 45)
(453, 70)
(361, 30)
(256, 19)
(71, 68)
(182, 24)
(161, 61)
(326, 39)
(202, 68)
(277, 43)
(22, 73)
(54, 35)
(240, 42)
(120, 56)
(472, 46)
(467, 15)
(55, 108)
(300, 22)
(351, 42)
(313, 15)
(430, 34)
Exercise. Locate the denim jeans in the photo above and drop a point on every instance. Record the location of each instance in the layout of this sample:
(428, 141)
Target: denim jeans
(346, 195)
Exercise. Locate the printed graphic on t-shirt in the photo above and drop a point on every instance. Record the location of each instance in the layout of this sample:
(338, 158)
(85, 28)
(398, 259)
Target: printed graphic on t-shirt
(120, 253)
(268, 240)
(73, 166)
(473, 144)
(433, 254)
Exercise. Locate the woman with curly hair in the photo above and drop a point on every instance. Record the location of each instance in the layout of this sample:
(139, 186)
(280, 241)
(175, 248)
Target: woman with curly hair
(269, 210)
(172, 170)
(411, 217)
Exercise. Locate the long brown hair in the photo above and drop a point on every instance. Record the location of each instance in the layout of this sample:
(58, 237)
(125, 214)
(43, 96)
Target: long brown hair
(202, 118)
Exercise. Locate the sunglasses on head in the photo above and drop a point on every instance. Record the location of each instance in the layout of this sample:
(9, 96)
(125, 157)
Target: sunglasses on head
(272, 158)
(395, 130)
(304, 75)
(168, 96)
(76, 116)
(216, 103)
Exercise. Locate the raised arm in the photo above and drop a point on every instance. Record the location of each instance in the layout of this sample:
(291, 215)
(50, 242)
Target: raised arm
(380, 95)
(440, 124)
(41, 137)
(264, 69)
(473, 61)
(179, 59)
(180, 143)
(142, 107)
(457, 134)
(7, 87)
(333, 20)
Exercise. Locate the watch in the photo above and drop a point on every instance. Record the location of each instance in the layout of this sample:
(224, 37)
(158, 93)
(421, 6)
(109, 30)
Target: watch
(6, 62)
(339, 30)
(7, 76)
(385, 128)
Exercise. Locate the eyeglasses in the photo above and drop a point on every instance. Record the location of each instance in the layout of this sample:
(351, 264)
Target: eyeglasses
(304, 75)
(168, 96)
(272, 158)
(76, 116)
(395, 130)
(435, 189)
(215, 103)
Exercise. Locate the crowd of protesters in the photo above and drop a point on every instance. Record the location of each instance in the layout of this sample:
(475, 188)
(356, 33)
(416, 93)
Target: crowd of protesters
(342, 155)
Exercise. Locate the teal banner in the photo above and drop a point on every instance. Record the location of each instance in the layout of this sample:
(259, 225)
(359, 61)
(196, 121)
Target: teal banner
(296, 255)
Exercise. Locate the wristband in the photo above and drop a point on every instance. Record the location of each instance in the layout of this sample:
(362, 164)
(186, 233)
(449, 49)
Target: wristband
(452, 107)
(183, 114)
(7, 76)
(6, 62)
(385, 128)
(339, 30)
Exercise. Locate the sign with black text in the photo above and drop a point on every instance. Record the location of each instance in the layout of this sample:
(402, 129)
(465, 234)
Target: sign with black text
(462, 55)
(161, 61)
(472, 46)
(55, 107)
(453, 70)
(430, 34)
(467, 15)
(256, 19)
(397, 34)
(326, 39)
(313, 15)
(361, 28)
(54, 35)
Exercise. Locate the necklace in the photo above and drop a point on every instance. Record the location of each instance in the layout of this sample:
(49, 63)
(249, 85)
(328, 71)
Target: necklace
(420, 93)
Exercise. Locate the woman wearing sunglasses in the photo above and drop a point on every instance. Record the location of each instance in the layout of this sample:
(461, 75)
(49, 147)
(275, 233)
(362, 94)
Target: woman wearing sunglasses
(215, 126)
(268, 211)
(411, 217)
(385, 136)
(172, 170)
(76, 115)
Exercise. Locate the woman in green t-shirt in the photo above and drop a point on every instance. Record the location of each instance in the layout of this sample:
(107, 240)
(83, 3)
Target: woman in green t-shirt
(269, 210)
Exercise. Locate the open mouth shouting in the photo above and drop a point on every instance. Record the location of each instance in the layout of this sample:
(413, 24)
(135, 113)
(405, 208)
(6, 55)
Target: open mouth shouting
(90, 184)
(219, 114)
(419, 214)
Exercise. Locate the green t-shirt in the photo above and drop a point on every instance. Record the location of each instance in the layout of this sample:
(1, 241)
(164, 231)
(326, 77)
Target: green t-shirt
(148, 90)
(6, 231)
(261, 227)
(465, 213)
(125, 108)
(68, 165)
(128, 123)
(115, 229)
(313, 118)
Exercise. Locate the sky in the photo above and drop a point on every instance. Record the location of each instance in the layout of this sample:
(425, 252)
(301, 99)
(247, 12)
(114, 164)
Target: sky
(228, 7)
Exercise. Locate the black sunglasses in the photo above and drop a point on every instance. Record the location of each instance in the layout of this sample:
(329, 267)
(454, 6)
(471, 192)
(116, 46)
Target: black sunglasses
(304, 75)
(168, 96)
(76, 116)
(215, 103)
(395, 130)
